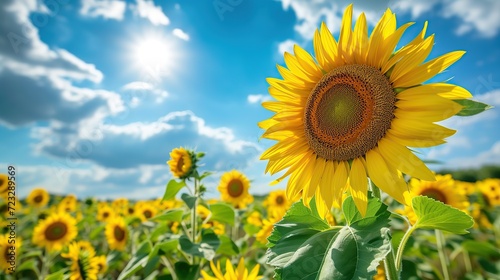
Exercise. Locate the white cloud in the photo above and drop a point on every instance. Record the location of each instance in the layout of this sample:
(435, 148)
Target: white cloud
(181, 34)
(143, 143)
(490, 156)
(148, 9)
(32, 71)
(108, 9)
(138, 88)
(257, 98)
(286, 46)
(479, 16)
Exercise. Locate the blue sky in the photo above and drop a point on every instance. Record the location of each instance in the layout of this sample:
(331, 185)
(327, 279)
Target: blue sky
(95, 94)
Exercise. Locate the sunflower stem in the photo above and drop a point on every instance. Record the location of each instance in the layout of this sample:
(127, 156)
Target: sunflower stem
(468, 264)
(170, 267)
(194, 218)
(402, 245)
(442, 255)
(389, 263)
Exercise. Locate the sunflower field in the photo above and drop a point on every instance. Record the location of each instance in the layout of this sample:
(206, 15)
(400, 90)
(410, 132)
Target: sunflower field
(359, 203)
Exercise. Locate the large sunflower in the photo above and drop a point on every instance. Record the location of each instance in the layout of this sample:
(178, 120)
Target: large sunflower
(182, 162)
(56, 231)
(234, 187)
(146, 211)
(241, 272)
(38, 197)
(116, 233)
(84, 264)
(351, 112)
(104, 212)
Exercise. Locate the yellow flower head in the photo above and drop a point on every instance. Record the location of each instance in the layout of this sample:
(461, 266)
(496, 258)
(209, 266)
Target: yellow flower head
(490, 190)
(84, 264)
(277, 203)
(56, 231)
(102, 264)
(68, 204)
(146, 211)
(266, 230)
(38, 197)
(255, 218)
(104, 212)
(218, 228)
(182, 163)
(352, 111)
(4, 183)
(240, 273)
(8, 253)
(234, 187)
(116, 233)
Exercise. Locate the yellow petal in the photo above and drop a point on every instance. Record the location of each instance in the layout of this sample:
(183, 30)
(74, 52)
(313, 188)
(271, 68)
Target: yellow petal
(315, 178)
(412, 59)
(360, 39)
(330, 48)
(419, 129)
(380, 32)
(305, 180)
(340, 181)
(389, 45)
(428, 70)
(307, 62)
(326, 185)
(409, 141)
(401, 158)
(359, 185)
(345, 37)
(385, 178)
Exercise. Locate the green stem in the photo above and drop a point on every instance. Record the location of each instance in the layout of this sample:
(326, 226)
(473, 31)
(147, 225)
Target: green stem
(442, 255)
(389, 263)
(194, 216)
(402, 245)
(170, 267)
(468, 265)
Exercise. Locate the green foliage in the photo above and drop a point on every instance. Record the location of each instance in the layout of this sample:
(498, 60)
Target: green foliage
(473, 175)
(304, 246)
(172, 188)
(433, 214)
(222, 213)
(206, 248)
(471, 107)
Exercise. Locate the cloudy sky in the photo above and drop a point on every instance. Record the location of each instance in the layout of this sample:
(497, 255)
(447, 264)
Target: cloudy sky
(95, 93)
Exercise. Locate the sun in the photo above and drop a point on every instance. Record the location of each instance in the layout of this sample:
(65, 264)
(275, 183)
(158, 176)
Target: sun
(154, 55)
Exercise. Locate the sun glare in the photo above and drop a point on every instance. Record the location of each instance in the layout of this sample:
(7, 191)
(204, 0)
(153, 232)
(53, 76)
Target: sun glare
(154, 55)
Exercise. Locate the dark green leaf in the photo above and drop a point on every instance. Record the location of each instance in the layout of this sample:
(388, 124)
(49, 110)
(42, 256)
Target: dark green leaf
(189, 200)
(173, 187)
(471, 107)
(186, 271)
(227, 246)
(222, 213)
(206, 249)
(28, 265)
(169, 246)
(59, 275)
(433, 214)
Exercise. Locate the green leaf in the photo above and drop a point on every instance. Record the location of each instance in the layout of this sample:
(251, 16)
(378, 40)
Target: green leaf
(138, 260)
(174, 215)
(59, 275)
(173, 187)
(96, 231)
(297, 217)
(227, 246)
(222, 213)
(189, 200)
(481, 248)
(206, 248)
(471, 107)
(28, 265)
(433, 214)
(186, 271)
(169, 246)
(305, 247)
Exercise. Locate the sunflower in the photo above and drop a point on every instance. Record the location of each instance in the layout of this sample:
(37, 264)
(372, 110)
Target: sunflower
(8, 253)
(490, 190)
(120, 205)
(84, 264)
(468, 187)
(443, 189)
(116, 233)
(68, 204)
(241, 272)
(145, 211)
(255, 218)
(380, 272)
(277, 203)
(234, 189)
(55, 231)
(182, 163)
(102, 264)
(266, 230)
(352, 112)
(4, 183)
(218, 228)
(104, 212)
(38, 197)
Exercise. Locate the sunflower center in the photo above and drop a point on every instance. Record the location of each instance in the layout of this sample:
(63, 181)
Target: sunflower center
(119, 233)
(180, 164)
(235, 188)
(148, 214)
(6, 253)
(435, 194)
(105, 215)
(280, 200)
(131, 210)
(1, 182)
(348, 112)
(38, 199)
(56, 231)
